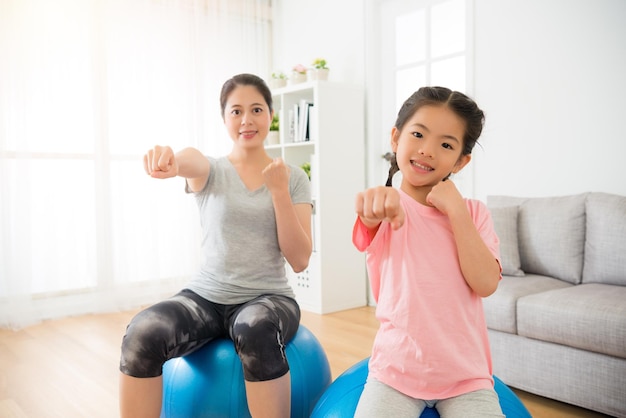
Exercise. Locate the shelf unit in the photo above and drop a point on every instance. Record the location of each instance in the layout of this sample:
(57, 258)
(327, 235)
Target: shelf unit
(335, 279)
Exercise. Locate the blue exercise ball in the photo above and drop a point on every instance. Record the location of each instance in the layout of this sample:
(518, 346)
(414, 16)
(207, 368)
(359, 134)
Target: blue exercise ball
(209, 382)
(342, 396)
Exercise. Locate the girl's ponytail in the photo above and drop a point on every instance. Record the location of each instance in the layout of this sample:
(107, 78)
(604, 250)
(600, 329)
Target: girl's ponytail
(393, 169)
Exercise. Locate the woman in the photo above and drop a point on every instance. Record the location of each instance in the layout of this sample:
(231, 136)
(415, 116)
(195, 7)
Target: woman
(255, 213)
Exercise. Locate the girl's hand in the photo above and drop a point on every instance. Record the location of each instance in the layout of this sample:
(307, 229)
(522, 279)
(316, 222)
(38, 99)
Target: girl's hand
(445, 197)
(276, 175)
(380, 204)
(160, 162)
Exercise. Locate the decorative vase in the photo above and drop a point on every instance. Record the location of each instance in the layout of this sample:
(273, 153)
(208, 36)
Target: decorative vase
(297, 77)
(276, 83)
(273, 138)
(319, 74)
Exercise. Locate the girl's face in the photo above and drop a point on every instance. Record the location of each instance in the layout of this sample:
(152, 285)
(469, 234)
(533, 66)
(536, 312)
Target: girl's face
(429, 147)
(247, 116)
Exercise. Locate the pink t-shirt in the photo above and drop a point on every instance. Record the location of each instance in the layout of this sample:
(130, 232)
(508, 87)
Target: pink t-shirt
(432, 342)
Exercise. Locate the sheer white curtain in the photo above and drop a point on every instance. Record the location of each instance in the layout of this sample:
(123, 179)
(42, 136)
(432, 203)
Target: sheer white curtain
(86, 87)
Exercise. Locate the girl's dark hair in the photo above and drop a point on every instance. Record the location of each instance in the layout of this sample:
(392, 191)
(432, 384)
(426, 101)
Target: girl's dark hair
(463, 106)
(245, 80)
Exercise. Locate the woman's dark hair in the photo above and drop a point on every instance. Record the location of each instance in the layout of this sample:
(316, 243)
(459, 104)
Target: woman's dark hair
(463, 106)
(245, 80)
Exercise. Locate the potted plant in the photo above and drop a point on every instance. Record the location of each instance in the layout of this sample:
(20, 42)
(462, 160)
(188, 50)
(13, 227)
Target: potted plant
(273, 137)
(307, 169)
(298, 74)
(319, 70)
(278, 80)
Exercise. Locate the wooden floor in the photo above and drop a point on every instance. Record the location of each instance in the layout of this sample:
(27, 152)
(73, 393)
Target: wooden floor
(69, 367)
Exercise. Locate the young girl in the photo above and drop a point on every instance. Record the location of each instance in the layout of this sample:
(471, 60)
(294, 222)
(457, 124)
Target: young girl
(431, 257)
(255, 212)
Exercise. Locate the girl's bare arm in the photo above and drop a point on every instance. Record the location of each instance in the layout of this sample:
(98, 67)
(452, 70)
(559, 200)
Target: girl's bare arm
(480, 268)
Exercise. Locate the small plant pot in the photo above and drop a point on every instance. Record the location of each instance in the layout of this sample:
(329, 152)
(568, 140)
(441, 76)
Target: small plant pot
(273, 138)
(297, 78)
(319, 74)
(276, 83)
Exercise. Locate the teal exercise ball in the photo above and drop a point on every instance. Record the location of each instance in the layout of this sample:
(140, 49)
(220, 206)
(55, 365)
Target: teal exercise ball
(209, 382)
(341, 398)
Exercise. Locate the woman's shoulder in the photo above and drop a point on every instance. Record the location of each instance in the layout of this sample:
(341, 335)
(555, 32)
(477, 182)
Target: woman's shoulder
(297, 173)
(221, 161)
(219, 164)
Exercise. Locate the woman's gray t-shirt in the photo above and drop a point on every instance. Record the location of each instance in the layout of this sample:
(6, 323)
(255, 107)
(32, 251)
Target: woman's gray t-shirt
(241, 258)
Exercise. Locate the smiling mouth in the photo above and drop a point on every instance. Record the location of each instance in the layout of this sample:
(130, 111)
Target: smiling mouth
(421, 166)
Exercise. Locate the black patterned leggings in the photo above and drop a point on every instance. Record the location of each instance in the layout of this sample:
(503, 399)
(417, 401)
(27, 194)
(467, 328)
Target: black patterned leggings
(185, 322)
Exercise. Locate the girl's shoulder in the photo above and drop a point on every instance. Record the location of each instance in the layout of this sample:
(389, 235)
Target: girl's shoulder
(476, 206)
(480, 213)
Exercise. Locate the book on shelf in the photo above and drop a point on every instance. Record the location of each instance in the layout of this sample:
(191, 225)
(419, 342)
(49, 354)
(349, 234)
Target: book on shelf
(309, 121)
(292, 126)
(301, 124)
(303, 119)
(312, 129)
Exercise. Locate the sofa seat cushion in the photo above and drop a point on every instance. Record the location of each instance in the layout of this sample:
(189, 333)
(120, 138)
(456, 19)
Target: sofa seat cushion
(588, 316)
(501, 307)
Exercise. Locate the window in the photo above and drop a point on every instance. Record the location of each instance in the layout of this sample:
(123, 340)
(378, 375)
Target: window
(424, 43)
(86, 89)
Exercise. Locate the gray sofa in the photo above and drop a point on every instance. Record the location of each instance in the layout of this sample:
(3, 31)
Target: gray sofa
(557, 323)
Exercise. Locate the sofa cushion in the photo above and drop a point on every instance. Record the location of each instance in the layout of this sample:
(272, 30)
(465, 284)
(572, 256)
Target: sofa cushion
(588, 316)
(551, 233)
(505, 225)
(498, 201)
(552, 236)
(605, 244)
(501, 307)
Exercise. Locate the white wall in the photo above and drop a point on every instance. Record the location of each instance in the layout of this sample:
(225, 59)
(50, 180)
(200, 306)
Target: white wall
(329, 29)
(550, 75)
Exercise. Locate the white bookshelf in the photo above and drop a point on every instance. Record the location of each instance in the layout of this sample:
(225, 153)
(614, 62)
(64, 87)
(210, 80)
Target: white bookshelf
(335, 279)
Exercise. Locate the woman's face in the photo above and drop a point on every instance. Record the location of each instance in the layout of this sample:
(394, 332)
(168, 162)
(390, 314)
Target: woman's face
(429, 146)
(247, 116)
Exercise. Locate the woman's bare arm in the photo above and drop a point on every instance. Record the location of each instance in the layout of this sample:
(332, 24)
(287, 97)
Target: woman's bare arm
(161, 162)
(293, 222)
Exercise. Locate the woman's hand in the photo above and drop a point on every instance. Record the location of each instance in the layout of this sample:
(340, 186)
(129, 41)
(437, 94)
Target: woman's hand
(160, 162)
(276, 175)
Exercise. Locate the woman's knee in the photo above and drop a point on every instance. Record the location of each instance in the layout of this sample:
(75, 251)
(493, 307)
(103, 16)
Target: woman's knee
(144, 347)
(260, 331)
(256, 329)
(264, 316)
